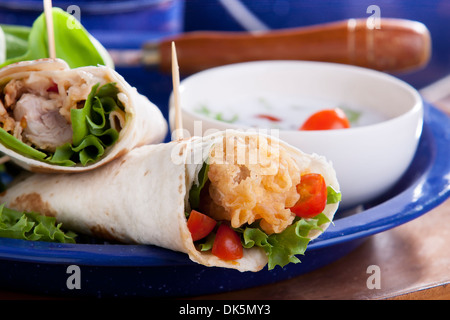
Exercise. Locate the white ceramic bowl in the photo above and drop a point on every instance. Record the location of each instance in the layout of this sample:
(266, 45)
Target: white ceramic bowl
(368, 159)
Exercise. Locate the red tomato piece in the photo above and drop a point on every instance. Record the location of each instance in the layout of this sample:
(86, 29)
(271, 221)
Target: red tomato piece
(326, 120)
(227, 244)
(313, 196)
(268, 117)
(53, 88)
(200, 225)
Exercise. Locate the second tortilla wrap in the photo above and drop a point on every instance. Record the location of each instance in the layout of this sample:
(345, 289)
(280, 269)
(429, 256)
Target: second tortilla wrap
(143, 196)
(43, 99)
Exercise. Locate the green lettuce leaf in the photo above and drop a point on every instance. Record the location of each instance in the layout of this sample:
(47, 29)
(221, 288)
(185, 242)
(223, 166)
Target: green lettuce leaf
(32, 226)
(71, 38)
(194, 193)
(282, 248)
(333, 196)
(13, 41)
(92, 132)
(15, 144)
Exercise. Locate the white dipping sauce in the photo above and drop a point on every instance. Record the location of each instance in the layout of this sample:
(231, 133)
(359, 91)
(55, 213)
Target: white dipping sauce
(291, 111)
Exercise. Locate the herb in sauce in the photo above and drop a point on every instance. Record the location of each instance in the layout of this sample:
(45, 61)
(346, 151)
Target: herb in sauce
(215, 115)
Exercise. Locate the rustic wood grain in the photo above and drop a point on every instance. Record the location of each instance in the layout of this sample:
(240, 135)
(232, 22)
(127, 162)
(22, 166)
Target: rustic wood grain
(414, 261)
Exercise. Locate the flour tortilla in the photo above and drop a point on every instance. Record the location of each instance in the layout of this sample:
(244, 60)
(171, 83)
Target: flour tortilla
(144, 122)
(142, 198)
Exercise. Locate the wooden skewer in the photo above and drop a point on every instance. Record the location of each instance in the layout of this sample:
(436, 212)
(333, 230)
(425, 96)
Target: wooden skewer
(4, 159)
(176, 93)
(50, 30)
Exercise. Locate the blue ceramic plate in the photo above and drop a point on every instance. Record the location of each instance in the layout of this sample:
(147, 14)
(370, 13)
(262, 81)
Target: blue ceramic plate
(139, 270)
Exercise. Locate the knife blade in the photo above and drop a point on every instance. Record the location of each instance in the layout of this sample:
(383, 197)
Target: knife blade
(396, 45)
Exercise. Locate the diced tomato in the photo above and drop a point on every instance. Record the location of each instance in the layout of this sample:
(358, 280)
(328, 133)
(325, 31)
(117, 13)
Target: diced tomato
(326, 120)
(227, 244)
(53, 88)
(313, 196)
(200, 225)
(268, 117)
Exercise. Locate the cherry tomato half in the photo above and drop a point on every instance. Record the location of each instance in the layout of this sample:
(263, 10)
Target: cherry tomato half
(313, 196)
(227, 244)
(200, 225)
(326, 120)
(268, 117)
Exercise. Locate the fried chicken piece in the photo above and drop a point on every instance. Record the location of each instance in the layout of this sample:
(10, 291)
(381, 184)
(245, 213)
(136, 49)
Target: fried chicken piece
(252, 178)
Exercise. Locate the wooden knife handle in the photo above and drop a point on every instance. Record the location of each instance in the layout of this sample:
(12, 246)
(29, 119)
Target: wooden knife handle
(396, 45)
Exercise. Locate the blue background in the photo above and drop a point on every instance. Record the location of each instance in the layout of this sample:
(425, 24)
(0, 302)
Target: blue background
(435, 14)
(128, 24)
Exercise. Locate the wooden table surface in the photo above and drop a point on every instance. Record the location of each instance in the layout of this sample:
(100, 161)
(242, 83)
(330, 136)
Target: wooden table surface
(413, 261)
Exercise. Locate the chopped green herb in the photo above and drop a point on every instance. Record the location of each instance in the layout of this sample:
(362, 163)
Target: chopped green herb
(220, 118)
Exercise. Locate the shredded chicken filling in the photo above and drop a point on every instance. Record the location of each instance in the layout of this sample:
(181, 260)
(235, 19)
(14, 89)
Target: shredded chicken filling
(36, 109)
(250, 179)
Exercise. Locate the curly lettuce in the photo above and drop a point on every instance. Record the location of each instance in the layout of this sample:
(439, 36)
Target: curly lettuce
(32, 226)
(15, 144)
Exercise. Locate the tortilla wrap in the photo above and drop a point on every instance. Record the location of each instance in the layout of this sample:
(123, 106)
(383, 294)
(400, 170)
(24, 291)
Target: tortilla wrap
(36, 108)
(142, 197)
